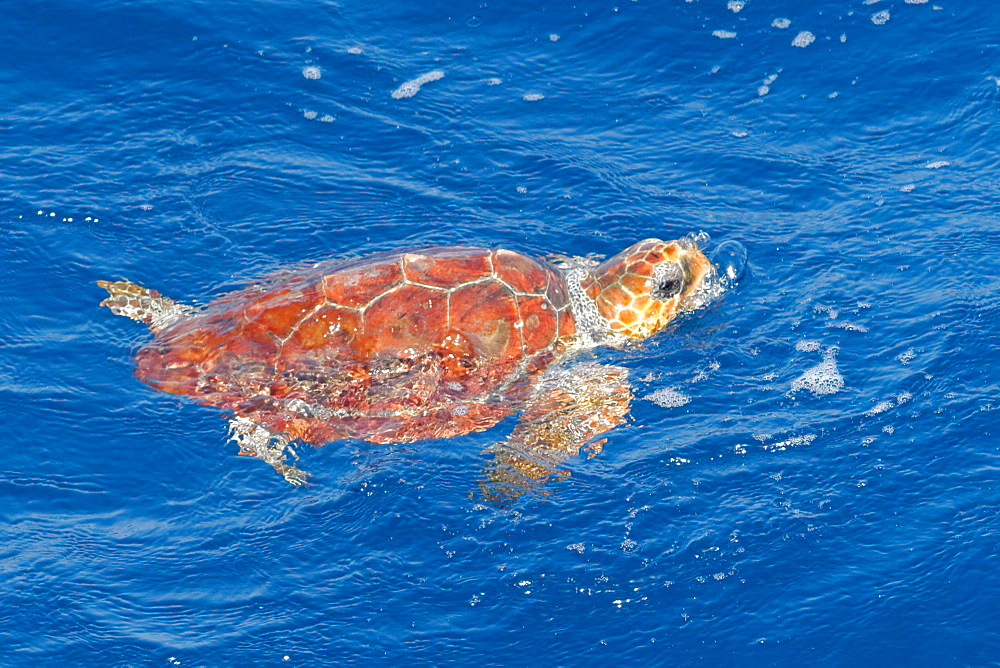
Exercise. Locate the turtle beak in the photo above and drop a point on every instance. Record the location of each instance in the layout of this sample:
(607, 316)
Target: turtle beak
(696, 267)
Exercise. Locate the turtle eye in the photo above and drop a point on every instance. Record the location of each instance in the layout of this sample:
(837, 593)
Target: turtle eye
(667, 282)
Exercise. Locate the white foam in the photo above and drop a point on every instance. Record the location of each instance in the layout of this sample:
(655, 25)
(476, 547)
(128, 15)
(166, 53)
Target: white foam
(805, 439)
(937, 164)
(724, 34)
(668, 397)
(780, 23)
(736, 6)
(553, 37)
(822, 379)
(412, 87)
(804, 39)
(880, 407)
(311, 72)
(532, 97)
(807, 346)
(915, 2)
(703, 374)
(880, 18)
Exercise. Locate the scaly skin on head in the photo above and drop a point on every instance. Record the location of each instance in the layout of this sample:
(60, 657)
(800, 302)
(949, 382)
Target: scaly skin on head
(645, 286)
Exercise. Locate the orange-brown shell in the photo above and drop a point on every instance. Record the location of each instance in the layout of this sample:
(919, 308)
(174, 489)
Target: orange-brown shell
(414, 345)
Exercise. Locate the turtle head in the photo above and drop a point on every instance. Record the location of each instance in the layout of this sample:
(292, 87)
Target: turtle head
(645, 286)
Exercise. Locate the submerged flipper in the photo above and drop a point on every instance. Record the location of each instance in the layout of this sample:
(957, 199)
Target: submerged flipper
(569, 408)
(258, 442)
(143, 305)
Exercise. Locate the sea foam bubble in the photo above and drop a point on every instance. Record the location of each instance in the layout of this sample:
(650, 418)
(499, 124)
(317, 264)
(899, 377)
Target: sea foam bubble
(822, 379)
(412, 87)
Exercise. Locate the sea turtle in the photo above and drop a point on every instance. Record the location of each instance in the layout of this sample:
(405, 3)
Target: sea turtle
(424, 344)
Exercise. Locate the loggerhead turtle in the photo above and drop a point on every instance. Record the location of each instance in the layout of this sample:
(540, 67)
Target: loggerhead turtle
(415, 345)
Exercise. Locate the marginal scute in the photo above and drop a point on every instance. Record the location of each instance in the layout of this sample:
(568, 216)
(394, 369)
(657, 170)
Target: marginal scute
(173, 361)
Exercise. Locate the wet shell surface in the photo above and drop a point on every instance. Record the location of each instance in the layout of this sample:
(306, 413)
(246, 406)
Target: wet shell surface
(409, 346)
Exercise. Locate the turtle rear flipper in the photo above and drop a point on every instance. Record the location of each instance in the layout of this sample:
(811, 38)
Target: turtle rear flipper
(256, 441)
(142, 304)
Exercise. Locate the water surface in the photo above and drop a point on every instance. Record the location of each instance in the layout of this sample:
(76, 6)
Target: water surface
(813, 478)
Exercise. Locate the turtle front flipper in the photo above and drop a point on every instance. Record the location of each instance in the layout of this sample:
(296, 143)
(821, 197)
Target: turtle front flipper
(568, 409)
(256, 441)
(143, 305)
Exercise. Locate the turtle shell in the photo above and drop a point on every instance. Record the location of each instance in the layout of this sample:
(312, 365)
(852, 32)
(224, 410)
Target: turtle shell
(415, 345)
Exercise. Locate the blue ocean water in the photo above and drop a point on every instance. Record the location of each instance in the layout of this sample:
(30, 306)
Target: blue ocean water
(811, 473)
